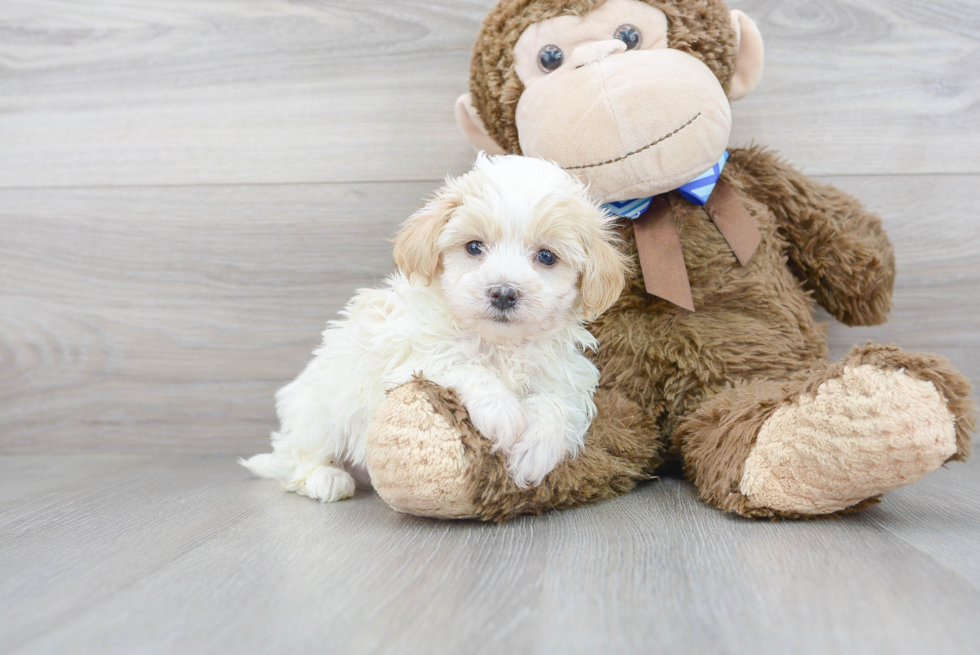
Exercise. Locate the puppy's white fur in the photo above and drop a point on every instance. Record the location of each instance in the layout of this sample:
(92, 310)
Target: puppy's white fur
(521, 373)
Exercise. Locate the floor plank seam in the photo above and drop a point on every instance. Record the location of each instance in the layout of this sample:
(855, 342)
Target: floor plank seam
(434, 181)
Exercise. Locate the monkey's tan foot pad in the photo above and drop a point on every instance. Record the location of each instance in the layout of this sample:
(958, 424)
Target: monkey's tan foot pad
(866, 432)
(417, 455)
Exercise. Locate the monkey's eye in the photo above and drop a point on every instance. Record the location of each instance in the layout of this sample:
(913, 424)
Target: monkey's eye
(546, 257)
(550, 58)
(474, 248)
(628, 35)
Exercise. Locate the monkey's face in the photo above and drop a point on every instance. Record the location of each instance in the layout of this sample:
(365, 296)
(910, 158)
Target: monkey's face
(607, 100)
(607, 96)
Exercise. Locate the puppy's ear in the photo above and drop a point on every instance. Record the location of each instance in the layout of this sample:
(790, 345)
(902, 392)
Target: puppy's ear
(604, 275)
(417, 242)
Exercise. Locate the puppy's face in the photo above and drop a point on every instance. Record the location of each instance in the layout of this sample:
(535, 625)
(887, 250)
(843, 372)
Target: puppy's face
(516, 247)
(513, 274)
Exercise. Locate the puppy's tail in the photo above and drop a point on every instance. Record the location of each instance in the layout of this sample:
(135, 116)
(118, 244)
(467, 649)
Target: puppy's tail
(264, 465)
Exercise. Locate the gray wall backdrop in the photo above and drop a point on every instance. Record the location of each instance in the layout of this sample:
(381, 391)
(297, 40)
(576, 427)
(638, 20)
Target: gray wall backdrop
(189, 190)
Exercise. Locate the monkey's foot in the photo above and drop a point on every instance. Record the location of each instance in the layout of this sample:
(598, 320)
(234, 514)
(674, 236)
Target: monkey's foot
(426, 458)
(883, 419)
(864, 433)
(417, 454)
(830, 441)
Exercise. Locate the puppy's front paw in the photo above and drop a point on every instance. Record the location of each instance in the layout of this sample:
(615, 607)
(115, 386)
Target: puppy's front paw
(328, 484)
(531, 459)
(499, 417)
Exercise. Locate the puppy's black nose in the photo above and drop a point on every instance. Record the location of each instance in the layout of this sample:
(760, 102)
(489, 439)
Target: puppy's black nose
(503, 296)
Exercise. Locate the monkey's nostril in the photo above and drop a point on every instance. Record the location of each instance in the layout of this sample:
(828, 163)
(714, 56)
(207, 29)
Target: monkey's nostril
(503, 297)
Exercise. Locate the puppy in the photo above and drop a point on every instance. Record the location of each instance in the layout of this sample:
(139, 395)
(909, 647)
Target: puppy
(496, 277)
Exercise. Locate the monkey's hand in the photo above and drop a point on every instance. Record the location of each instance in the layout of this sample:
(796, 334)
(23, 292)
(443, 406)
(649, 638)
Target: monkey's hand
(836, 246)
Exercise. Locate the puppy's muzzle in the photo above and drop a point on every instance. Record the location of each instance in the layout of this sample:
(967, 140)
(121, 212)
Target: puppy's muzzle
(503, 297)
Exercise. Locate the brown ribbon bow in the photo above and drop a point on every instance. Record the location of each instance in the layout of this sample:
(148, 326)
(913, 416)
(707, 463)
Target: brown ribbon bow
(658, 242)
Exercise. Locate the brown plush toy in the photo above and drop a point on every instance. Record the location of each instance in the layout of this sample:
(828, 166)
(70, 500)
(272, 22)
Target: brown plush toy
(713, 356)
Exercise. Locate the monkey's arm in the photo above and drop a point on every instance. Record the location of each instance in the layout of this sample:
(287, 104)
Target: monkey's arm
(836, 246)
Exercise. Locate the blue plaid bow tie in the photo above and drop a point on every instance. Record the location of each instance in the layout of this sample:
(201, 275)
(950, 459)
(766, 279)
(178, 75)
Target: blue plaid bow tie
(697, 191)
(658, 239)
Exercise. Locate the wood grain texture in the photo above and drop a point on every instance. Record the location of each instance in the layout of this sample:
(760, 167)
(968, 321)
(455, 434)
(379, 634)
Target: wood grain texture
(168, 317)
(936, 234)
(151, 320)
(188, 554)
(858, 87)
(207, 92)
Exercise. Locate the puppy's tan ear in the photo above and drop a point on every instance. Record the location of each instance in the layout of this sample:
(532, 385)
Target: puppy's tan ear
(416, 244)
(605, 271)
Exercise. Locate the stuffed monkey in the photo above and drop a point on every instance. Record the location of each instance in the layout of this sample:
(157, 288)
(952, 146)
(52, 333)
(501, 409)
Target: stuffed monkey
(712, 357)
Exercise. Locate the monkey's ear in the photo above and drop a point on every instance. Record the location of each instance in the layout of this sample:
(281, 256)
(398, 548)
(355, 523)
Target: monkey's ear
(748, 62)
(469, 122)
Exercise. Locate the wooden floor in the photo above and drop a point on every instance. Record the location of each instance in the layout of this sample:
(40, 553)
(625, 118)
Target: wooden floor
(180, 553)
(190, 188)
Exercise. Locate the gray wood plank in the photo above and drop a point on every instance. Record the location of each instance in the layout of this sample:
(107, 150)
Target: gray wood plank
(845, 90)
(210, 92)
(137, 311)
(187, 554)
(937, 516)
(932, 221)
(159, 319)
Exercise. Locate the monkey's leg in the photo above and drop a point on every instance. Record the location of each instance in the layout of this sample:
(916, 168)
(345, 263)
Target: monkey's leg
(426, 458)
(829, 441)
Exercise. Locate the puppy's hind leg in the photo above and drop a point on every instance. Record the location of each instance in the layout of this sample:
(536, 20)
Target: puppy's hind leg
(308, 477)
(315, 417)
(328, 484)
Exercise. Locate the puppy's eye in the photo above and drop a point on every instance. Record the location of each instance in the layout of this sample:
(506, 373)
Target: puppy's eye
(550, 58)
(546, 257)
(474, 248)
(628, 35)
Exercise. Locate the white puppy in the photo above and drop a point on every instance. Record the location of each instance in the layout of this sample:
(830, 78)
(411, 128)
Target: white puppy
(497, 275)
